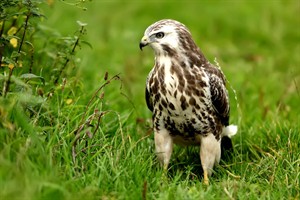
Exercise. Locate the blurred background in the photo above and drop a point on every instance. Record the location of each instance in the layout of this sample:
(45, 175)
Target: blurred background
(256, 44)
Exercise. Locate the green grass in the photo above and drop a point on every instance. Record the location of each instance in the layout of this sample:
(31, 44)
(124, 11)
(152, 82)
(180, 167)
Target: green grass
(257, 44)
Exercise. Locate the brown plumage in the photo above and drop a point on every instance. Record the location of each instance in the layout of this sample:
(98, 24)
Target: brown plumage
(186, 94)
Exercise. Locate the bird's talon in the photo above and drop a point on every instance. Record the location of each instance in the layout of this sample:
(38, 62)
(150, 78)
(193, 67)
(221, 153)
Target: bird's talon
(206, 182)
(205, 178)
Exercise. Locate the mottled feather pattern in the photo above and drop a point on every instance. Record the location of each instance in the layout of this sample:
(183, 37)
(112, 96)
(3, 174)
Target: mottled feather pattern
(179, 89)
(219, 94)
(186, 94)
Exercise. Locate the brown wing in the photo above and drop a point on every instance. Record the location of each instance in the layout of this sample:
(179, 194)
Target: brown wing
(148, 100)
(219, 94)
(147, 93)
(220, 101)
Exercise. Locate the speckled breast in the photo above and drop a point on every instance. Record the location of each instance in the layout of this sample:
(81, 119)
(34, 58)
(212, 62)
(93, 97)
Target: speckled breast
(181, 102)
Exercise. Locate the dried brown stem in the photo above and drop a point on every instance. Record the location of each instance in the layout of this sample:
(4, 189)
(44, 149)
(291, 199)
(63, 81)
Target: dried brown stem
(1, 45)
(115, 77)
(96, 115)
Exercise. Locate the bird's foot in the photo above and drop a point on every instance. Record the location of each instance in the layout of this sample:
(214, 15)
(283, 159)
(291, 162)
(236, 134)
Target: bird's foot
(165, 174)
(205, 178)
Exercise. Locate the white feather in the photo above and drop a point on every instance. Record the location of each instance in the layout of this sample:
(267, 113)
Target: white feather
(230, 130)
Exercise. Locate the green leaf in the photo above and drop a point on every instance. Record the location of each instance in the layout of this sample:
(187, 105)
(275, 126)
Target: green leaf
(28, 99)
(86, 43)
(36, 13)
(81, 23)
(29, 43)
(15, 54)
(30, 76)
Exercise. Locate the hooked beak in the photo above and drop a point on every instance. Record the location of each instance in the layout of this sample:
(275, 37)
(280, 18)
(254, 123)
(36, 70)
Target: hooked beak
(144, 42)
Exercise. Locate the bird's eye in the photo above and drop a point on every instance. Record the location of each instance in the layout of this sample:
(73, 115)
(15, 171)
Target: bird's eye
(159, 35)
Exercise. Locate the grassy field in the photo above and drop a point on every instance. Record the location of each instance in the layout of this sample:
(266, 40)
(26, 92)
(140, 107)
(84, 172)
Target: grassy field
(111, 156)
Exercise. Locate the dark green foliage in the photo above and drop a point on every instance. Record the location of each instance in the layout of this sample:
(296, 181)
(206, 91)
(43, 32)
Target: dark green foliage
(36, 62)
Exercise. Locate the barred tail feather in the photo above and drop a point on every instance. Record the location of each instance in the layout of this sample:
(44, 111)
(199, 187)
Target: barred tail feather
(230, 130)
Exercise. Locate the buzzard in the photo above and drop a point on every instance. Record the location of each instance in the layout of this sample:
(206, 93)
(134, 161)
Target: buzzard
(187, 96)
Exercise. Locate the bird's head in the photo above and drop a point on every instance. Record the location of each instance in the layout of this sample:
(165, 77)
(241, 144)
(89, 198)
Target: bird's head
(166, 37)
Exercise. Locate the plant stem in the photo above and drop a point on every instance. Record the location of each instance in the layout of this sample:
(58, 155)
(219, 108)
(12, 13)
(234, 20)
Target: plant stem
(68, 59)
(1, 45)
(7, 83)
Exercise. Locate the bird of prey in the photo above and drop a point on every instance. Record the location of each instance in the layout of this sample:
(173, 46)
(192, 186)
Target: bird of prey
(187, 96)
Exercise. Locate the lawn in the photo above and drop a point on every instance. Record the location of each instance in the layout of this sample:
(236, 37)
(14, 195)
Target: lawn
(88, 135)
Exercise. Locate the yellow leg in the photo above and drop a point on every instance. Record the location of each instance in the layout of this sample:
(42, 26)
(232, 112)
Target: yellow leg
(166, 167)
(205, 177)
(164, 177)
(210, 153)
